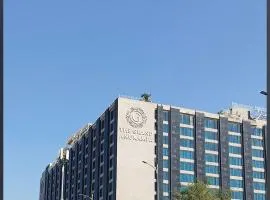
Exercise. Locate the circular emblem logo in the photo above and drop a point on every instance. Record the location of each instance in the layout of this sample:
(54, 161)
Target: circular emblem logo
(136, 117)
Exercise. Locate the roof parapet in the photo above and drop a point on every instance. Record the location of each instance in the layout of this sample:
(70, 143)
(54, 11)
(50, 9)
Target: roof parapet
(77, 135)
(246, 112)
(129, 97)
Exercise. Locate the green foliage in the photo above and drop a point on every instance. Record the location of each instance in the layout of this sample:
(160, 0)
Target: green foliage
(223, 195)
(146, 97)
(201, 191)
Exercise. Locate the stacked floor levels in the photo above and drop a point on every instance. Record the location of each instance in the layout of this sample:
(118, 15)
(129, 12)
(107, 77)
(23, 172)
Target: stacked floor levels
(137, 150)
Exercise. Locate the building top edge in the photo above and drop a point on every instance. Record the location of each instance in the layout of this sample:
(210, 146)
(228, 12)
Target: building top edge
(237, 112)
(78, 134)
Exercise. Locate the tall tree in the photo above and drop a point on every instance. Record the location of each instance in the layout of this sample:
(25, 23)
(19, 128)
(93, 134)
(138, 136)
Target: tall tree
(201, 191)
(223, 194)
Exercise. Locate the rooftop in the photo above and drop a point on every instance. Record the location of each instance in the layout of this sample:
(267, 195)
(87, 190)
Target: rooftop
(236, 112)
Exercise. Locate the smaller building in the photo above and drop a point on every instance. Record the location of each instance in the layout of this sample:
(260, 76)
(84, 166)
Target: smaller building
(53, 178)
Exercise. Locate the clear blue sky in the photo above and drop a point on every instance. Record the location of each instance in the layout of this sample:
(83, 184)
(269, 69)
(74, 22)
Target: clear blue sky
(66, 61)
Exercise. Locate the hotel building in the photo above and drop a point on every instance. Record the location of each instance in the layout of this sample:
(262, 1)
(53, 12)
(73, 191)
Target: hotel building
(139, 150)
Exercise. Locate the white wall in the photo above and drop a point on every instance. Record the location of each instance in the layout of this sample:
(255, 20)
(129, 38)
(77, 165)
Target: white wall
(135, 180)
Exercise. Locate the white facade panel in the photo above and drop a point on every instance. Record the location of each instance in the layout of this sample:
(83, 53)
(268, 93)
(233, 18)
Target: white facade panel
(135, 143)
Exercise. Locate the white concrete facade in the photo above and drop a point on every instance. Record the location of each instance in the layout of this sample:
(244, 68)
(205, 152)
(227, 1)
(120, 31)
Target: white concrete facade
(136, 143)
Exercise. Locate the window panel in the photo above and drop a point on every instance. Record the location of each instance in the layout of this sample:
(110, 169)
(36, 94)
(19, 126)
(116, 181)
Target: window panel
(186, 166)
(211, 158)
(259, 175)
(187, 131)
(258, 186)
(166, 128)
(235, 139)
(165, 152)
(211, 135)
(236, 172)
(237, 195)
(186, 143)
(111, 127)
(234, 127)
(165, 187)
(257, 142)
(165, 116)
(211, 169)
(186, 178)
(236, 183)
(165, 164)
(186, 119)
(111, 114)
(165, 175)
(213, 180)
(210, 123)
(235, 150)
(186, 154)
(211, 146)
(258, 196)
(165, 140)
(257, 131)
(257, 164)
(257, 153)
(235, 161)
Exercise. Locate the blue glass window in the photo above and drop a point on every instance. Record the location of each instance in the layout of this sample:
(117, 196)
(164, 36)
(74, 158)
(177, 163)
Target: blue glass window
(257, 153)
(166, 128)
(211, 146)
(236, 172)
(165, 139)
(235, 150)
(259, 196)
(210, 123)
(183, 188)
(235, 139)
(236, 183)
(165, 187)
(259, 175)
(235, 161)
(213, 180)
(211, 169)
(186, 154)
(257, 142)
(211, 135)
(165, 164)
(257, 131)
(258, 186)
(187, 178)
(165, 152)
(186, 131)
(165, 116)
(237, 195)
(234, 127)
(187, 143)
(211, 158)
(257, 164)
(186, 119)
(165, 175)
(186, 166)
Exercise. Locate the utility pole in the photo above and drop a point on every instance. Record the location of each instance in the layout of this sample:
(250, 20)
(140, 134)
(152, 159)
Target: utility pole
(156, 170)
